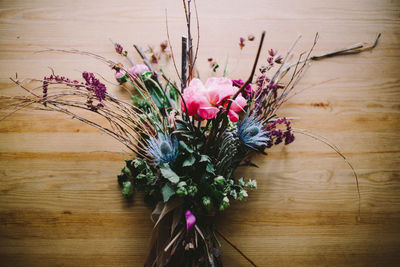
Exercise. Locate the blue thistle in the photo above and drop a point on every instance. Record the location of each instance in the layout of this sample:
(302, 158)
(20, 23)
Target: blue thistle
(163, 149)
(251, 133)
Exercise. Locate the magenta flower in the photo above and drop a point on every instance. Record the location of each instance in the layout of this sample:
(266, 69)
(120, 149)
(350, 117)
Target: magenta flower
(190, 221)
(205, 101)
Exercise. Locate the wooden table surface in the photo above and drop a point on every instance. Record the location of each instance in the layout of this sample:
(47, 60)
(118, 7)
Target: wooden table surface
(60, 204)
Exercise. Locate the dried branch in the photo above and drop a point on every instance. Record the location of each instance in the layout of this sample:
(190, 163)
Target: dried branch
(184, 63)
(235, 247)
(170, 46)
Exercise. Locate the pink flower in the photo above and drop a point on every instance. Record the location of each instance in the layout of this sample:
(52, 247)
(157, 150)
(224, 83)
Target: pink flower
(119, 74)
(138, 69)
(205, 101)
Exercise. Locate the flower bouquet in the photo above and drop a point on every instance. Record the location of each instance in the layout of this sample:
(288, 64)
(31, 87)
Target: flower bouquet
(186, 137)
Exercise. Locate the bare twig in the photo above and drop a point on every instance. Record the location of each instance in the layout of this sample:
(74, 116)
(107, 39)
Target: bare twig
(170, 46)
(336, 149)
(198, 35)
(235, 247)
(143, 56)
(354, 49)
(125, 55)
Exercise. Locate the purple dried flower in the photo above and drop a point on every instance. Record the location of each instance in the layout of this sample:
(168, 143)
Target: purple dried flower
(247, 92)
(272, 52)
(45, 88)
(270, 61)
(241, 43)
(57, 79)
(164, 45)
(261, 80)
(154, 58)
(272, 87)
(277, 135)
(98, 88)
(118, 48)
(278, 60)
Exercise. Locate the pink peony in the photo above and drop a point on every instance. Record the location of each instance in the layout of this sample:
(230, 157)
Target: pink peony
(138, 69)
(204, 101)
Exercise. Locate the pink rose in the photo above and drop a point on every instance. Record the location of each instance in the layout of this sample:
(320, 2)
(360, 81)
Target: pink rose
(138, 69)
(204, 101)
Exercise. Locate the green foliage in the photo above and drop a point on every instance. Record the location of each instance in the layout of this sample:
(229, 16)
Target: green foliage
(140, 103)
(167, 192)
(169, 174)
(124, 78)
(196, 175)
(189, 161)
(214, 69)
(229, 154)
(127, 190)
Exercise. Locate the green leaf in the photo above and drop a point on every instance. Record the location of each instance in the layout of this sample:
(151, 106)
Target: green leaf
(126, 171)
(128, 163)
(147, 75)
(185, 146)
(219, 180)
(210, 168)
(188, 136)
(189, 161)
(167, 192)
(169, 174)
(205, 158)
(215, 67)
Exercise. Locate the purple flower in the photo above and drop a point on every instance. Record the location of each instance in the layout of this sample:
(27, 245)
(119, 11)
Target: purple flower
(247, 92)
(278, 59)
(241, 42)
(57, 79)
(277, 135)
(118, 48)
(98, 88)
(272, 52)
(270, 61)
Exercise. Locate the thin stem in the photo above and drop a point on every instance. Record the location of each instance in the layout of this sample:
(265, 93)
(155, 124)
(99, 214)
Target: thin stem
(354, 49)
(170, 46)
(190, 42)
(143, 56)
(127, 57)
(198, 35)
(235, 247)
(336, 149)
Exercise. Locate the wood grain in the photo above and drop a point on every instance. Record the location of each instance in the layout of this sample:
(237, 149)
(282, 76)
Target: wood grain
(59, 201)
